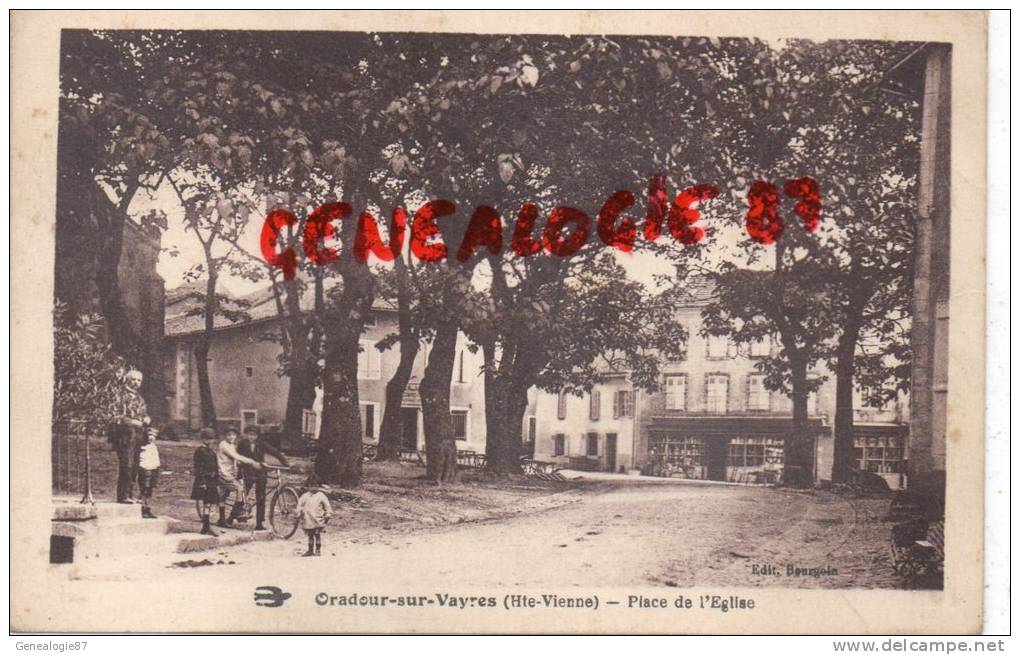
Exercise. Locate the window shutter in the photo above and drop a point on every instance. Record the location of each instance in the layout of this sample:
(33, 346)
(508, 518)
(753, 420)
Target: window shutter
(616, 404)
(595, 408)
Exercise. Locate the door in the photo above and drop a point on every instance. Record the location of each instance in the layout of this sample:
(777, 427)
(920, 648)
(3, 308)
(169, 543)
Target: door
(409, 428)
(611, 452)
(717, 450)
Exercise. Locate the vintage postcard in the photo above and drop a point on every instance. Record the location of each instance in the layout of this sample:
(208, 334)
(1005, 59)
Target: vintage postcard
(497, 322)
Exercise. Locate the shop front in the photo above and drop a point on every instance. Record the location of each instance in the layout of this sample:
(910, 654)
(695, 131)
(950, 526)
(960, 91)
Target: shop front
(731, 449)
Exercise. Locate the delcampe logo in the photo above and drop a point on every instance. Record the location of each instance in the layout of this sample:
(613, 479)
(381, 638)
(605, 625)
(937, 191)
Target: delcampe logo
(270, 596)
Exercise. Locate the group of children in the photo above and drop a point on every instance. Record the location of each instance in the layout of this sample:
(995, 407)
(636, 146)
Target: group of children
(218, 467)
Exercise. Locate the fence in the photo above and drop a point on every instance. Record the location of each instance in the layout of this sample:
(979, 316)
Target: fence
(71, 460)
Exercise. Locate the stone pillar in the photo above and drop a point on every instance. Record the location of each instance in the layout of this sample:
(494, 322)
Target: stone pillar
(929, 335)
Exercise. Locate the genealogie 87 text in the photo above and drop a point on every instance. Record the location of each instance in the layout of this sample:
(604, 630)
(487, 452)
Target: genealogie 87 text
(485, 228)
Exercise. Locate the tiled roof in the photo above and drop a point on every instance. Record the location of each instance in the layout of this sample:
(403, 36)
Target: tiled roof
(261, 307)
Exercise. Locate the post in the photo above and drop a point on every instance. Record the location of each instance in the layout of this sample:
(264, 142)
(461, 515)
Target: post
(87, 496)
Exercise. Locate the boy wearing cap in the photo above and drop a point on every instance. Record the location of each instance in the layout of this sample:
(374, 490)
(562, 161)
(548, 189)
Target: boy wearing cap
(206, 487)
(257, 449)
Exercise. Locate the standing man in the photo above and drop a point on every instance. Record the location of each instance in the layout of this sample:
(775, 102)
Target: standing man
(131, 422)
(257, 449)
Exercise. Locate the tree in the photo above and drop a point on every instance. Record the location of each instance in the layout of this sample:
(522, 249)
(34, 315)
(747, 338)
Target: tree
(215, 222)
(88, 375)
(817, 291)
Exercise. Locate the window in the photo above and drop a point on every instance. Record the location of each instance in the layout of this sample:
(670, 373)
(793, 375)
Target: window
(368, 361)
(532, 428)
(717, 391)
(718, 346)
(676, 392)
(595, 405)
(460, 418)
(561, 406)
(761, 348)
(591, 444)
(680, 450)
(460, 368)
(559, 445)
(368, 420)
(746, 451)
(308, 423)
(757, 394)
(248, 371)
(249, 417)
(812, 403)
(879, 454)
(623, 404)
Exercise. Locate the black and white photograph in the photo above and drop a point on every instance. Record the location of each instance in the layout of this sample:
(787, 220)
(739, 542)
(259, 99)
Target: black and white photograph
(562, 328)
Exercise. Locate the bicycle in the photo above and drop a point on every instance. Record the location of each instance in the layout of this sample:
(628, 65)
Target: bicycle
(283, 501)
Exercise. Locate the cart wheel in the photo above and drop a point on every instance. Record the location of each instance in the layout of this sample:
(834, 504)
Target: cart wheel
(283, 513)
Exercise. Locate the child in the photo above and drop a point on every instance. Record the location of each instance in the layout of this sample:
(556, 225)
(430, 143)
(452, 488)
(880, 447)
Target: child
(315, 512)
(148, 471)
(206, 487)
(228, 459)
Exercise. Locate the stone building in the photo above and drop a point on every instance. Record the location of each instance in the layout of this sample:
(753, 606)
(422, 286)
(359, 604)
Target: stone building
(712, 418)
(248, 389)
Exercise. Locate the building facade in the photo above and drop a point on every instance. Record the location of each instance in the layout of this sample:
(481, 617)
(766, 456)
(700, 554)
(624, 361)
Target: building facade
(248, 389)
(712, 418)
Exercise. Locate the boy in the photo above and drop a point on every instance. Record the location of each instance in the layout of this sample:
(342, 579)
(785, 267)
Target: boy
(257, 449)
(315, 512)
(227, 460)
(206, 487)
(148, 472)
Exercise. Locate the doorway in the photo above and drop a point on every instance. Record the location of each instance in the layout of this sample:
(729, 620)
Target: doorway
(611, 452)
(409, 428)
(717, 450)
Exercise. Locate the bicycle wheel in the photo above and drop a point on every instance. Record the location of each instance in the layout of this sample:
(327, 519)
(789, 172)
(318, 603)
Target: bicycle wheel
(283, 513)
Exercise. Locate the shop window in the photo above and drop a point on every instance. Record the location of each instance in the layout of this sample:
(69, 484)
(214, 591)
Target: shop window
(559, 445)
(717, 391)
(681, 450)
(676, 392)
(592, 444)
(742, 453)
(879, 454)
(757, 394)
(595, 405)
(460, 417)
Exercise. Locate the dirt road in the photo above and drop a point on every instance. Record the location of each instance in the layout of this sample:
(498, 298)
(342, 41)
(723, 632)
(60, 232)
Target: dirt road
(662, 535)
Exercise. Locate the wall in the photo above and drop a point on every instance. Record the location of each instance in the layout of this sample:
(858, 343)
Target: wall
(237, 348)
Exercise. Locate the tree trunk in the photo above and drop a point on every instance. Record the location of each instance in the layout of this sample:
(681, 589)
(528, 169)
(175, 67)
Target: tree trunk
(495, 409)
(391, 430)
(392, 424)
(799, 448)
(339, 456)
(440, 448)
(843, 460)
(202, 350)
(301, 363)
